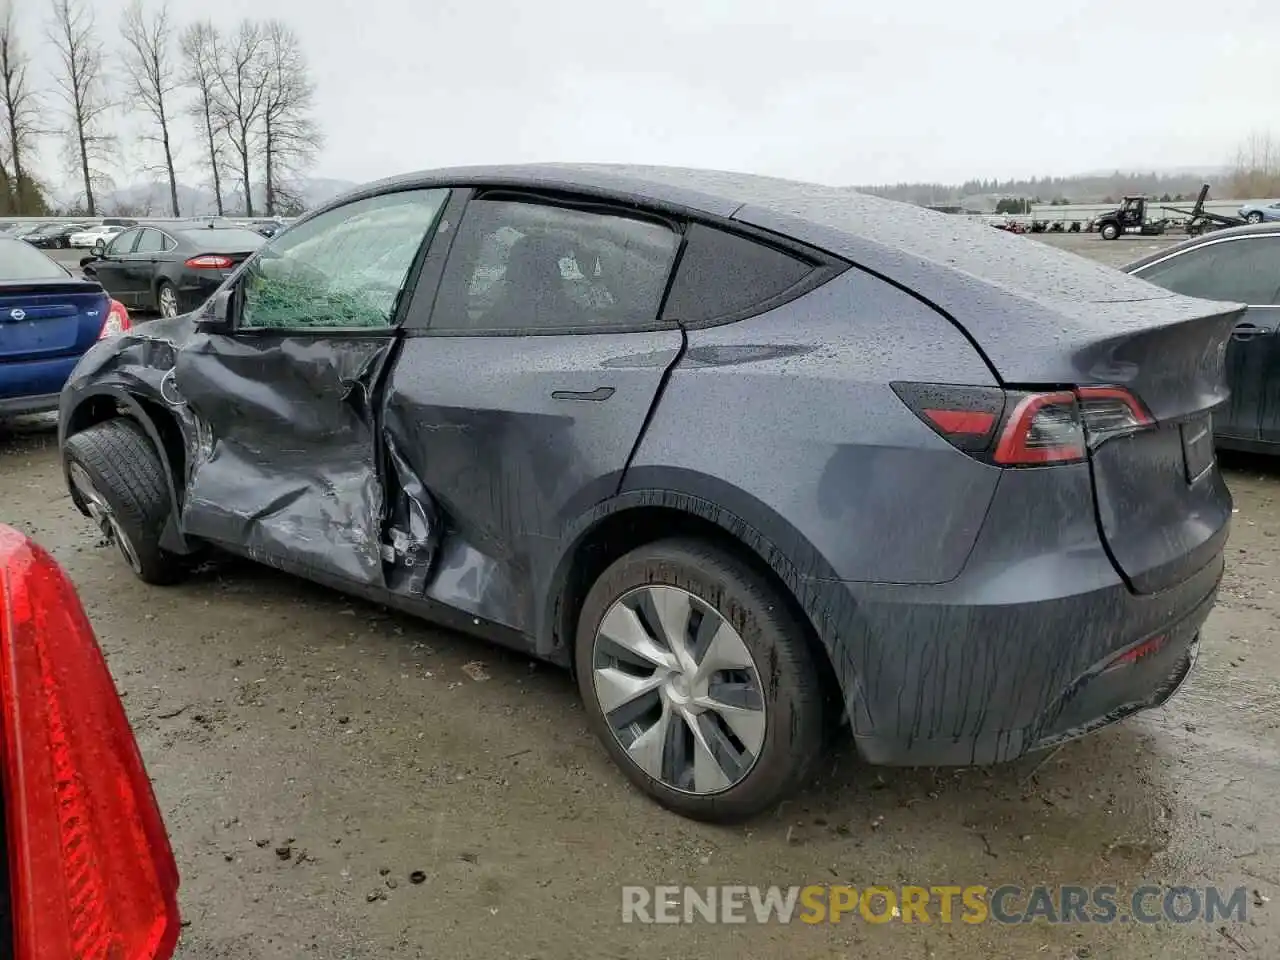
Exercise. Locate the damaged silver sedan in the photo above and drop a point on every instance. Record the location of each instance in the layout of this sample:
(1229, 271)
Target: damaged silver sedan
(753, 458)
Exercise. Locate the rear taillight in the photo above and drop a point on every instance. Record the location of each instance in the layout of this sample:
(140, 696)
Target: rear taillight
(90, 868)
(1022, 428)
(1110, 411)
(1043, 428)
(117, 321)
(210, 261)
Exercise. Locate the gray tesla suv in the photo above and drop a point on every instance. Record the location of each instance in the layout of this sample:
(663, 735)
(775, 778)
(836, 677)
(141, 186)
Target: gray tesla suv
(752, 458)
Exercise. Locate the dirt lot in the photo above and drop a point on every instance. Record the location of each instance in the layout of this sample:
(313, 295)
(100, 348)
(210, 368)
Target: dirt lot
(311, 753)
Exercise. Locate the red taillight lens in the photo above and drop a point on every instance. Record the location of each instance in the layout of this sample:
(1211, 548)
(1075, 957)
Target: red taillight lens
(1024, 429)
(117, 321)
(1043, 428)
(210, 261)
(90, 868)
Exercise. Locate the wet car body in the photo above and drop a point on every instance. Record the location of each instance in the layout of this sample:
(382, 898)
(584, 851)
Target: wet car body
(171, 267)
(965, 605)
(1242, 264)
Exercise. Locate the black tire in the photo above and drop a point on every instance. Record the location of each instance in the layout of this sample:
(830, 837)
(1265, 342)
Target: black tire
(125, 470)
(1109, 231)
(1254, 217)
(774, 637)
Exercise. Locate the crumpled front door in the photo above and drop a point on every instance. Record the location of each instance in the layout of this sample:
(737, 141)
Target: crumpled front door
(287, 467)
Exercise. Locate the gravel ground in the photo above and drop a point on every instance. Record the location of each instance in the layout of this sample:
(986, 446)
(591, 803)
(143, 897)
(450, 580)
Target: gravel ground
(316, 756)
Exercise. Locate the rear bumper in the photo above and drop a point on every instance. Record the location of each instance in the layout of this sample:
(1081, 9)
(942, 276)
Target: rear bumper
(1012, 655)
(33, 386)
(21, 406)
(195, 289)
(978, 685)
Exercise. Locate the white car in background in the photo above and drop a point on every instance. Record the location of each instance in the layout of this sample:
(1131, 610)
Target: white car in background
(90, 237)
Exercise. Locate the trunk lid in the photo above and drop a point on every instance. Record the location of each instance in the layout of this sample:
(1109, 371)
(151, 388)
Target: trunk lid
(43, 320)
(1163, 507)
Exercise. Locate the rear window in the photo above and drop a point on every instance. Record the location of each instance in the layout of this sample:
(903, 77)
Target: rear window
(21, 261)
(224, 241)
(723, 275)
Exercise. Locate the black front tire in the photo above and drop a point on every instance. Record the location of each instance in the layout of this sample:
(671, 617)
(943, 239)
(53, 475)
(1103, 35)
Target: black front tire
(125, 469)
(778, 643)
(1110, 231)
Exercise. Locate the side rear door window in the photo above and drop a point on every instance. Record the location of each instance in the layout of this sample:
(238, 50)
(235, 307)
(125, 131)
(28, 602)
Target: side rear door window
(1248, 270)
(151, 241)
(724, 276)
(1191, 274)
(344, 269)
(528, 267)
(1245, 271)
(123, 243)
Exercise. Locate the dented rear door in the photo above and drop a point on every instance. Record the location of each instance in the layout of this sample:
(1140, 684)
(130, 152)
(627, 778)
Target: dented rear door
(289, 466)
(517, 408)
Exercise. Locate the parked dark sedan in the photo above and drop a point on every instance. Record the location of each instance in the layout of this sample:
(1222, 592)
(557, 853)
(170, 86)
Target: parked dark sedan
(169, 268)
(751, 457)
(52, 236)
(1240, 264)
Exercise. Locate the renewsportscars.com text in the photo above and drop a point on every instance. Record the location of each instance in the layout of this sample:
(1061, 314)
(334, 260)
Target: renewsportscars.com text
(1007, 904)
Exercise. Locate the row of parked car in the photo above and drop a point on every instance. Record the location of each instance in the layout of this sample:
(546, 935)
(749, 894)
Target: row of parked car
(86, 234)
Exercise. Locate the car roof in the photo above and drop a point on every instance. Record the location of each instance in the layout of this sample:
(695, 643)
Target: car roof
(1228, 233)
(915, 246)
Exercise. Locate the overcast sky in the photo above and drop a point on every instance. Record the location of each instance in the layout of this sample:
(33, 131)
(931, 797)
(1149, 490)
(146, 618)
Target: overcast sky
(838, 91)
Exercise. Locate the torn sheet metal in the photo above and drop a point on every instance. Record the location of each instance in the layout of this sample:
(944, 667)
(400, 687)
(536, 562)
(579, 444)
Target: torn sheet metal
(412, 529)
(286, 464)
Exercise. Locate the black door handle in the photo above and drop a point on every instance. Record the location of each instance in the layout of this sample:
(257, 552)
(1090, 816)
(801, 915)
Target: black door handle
(1247, 331)
(598, 394)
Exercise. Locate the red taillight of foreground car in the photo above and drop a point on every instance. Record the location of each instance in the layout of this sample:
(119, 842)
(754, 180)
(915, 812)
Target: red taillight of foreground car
(91, 872)
(1023, 428)
(210, 261)
(117, 321)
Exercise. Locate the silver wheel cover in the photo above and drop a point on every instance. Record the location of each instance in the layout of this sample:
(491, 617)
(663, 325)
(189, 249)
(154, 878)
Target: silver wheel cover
(679, 689)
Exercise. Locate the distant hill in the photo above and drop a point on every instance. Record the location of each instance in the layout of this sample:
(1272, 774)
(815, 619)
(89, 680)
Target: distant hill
(152, 199)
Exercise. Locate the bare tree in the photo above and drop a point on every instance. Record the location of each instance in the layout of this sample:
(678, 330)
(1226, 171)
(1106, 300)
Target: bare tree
(1255, 171)
(21, 105)
(152, 79)
(240, 98)
(199, 44)
(81, 85)
(290, 137)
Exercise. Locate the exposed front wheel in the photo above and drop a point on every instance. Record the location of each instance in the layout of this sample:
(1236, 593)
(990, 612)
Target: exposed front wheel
(1110, 231)
(1254, 217)
(699, 680)
(117, 476)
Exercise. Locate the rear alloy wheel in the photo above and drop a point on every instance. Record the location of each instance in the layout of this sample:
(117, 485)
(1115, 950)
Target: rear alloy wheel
(167, 299)
(699, 680)
(117, 476)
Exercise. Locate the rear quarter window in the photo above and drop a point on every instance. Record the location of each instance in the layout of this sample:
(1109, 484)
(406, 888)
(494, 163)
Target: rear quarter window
(724, 276)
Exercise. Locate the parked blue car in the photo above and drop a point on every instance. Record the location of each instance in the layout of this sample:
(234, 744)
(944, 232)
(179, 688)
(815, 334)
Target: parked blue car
(48, 319)
(1260, 212)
